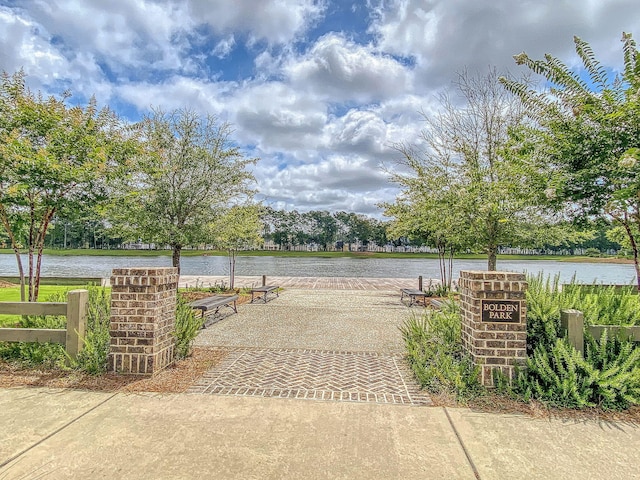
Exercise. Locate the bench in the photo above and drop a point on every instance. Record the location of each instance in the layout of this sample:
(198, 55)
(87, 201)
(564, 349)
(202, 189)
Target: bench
(262, 292)
(211, 305)
(435, 304)
(413, 296)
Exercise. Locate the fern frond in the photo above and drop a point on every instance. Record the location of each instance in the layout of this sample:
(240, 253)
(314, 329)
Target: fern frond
(596, 70)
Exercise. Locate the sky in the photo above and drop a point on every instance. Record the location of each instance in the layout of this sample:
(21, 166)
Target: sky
(318, 90)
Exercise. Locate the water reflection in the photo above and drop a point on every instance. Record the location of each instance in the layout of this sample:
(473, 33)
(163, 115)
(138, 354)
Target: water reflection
(89, 266)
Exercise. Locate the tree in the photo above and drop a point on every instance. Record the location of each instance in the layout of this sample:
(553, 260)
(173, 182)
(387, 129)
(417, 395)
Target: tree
(430, 208)
(462, 172)
(324, 228)
(239, 227)
(586, 133)
(187, 177)
(53, 157)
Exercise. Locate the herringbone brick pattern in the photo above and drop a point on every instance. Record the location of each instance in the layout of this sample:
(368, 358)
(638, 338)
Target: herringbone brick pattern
(313, 374)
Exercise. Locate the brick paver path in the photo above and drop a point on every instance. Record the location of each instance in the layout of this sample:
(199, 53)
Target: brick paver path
(333, 345)
(315, 375)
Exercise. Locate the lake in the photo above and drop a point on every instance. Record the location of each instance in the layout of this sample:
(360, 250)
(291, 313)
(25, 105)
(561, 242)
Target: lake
(99, 266)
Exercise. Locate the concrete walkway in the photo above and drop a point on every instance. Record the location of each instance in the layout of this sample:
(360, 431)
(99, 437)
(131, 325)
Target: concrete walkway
(364, 420)
(62, 434)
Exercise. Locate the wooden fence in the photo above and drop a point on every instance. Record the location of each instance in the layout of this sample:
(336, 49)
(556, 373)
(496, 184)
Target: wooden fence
(572, 325)
(75, 309)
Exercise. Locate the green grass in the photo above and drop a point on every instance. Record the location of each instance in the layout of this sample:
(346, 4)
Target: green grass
(281, 253)
(12, 294)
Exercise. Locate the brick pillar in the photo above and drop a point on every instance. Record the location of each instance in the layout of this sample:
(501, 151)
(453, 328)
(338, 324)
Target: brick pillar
(143, 307)
(494, 320)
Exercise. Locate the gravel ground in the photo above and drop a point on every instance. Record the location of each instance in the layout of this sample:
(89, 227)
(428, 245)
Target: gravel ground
(339, 320)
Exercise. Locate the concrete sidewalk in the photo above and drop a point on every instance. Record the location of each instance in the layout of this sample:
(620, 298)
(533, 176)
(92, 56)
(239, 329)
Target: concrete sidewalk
(62, 434)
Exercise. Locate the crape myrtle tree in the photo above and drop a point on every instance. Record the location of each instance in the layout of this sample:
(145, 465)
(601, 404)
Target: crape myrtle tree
(586, 133)
(53, 158)
(463, 167)
(430, 209)
(188, 175)
(238, 228)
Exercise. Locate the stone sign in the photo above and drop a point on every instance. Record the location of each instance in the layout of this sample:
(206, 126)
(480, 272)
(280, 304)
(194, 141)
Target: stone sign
(494, 327)
(507, 311)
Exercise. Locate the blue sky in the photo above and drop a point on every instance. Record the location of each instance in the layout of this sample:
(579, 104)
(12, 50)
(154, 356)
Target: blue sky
(319, 90)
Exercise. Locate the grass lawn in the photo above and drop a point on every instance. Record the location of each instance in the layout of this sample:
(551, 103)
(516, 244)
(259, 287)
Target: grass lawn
(12, 294)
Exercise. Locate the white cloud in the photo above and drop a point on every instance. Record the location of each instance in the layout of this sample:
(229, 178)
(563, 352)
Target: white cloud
(276, 21)
(223, 47)
(340, 70)
(274, 116)
(179, 92)
(445, 36)
(335, 183)
(123, 34)
(321, 111)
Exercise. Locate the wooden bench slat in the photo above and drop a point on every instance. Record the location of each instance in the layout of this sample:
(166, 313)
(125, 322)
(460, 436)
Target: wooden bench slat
(265, 290)
(413, 295)
(211, 305)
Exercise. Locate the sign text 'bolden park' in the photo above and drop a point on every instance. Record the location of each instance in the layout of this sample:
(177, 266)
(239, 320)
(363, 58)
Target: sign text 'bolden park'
(507, 311)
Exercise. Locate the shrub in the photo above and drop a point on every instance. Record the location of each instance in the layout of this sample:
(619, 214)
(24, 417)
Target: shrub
(608, 377)
(434, 352)
(186, 328)
(600, 305)
(93, 358)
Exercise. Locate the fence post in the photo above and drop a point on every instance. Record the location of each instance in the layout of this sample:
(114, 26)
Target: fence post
(420, 283)
(572, 324)
(264, 280)
(77, 309)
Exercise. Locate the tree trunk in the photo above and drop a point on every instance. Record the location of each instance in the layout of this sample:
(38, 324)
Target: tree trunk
(492, 252)
(452, 252)
(16, 250)
(634, 247)
(176, 256)
(232, 269)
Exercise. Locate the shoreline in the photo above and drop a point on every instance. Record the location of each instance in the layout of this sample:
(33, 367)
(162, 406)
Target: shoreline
(360, 255)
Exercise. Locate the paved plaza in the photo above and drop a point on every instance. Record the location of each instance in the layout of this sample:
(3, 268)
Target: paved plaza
(335, 345)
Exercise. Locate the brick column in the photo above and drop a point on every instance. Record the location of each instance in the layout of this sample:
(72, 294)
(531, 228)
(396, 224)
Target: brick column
(143, 307)
(494, 320)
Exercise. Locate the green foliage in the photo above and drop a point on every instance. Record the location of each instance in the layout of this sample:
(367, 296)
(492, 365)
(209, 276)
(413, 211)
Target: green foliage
(186, 328)
(189, 174)
(464, 187)
(434, 352)
(586, 133)
(238, 227)
(608, 377)
(93, 358)
(53, 158)
(215, 288)
(609, 374)
(558, 376)
(601, 305)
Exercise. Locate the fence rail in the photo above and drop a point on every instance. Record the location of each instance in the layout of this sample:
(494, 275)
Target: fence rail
(572, 325)
(75, 309)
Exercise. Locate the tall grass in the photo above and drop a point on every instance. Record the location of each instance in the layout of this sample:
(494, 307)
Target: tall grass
(435, 354)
